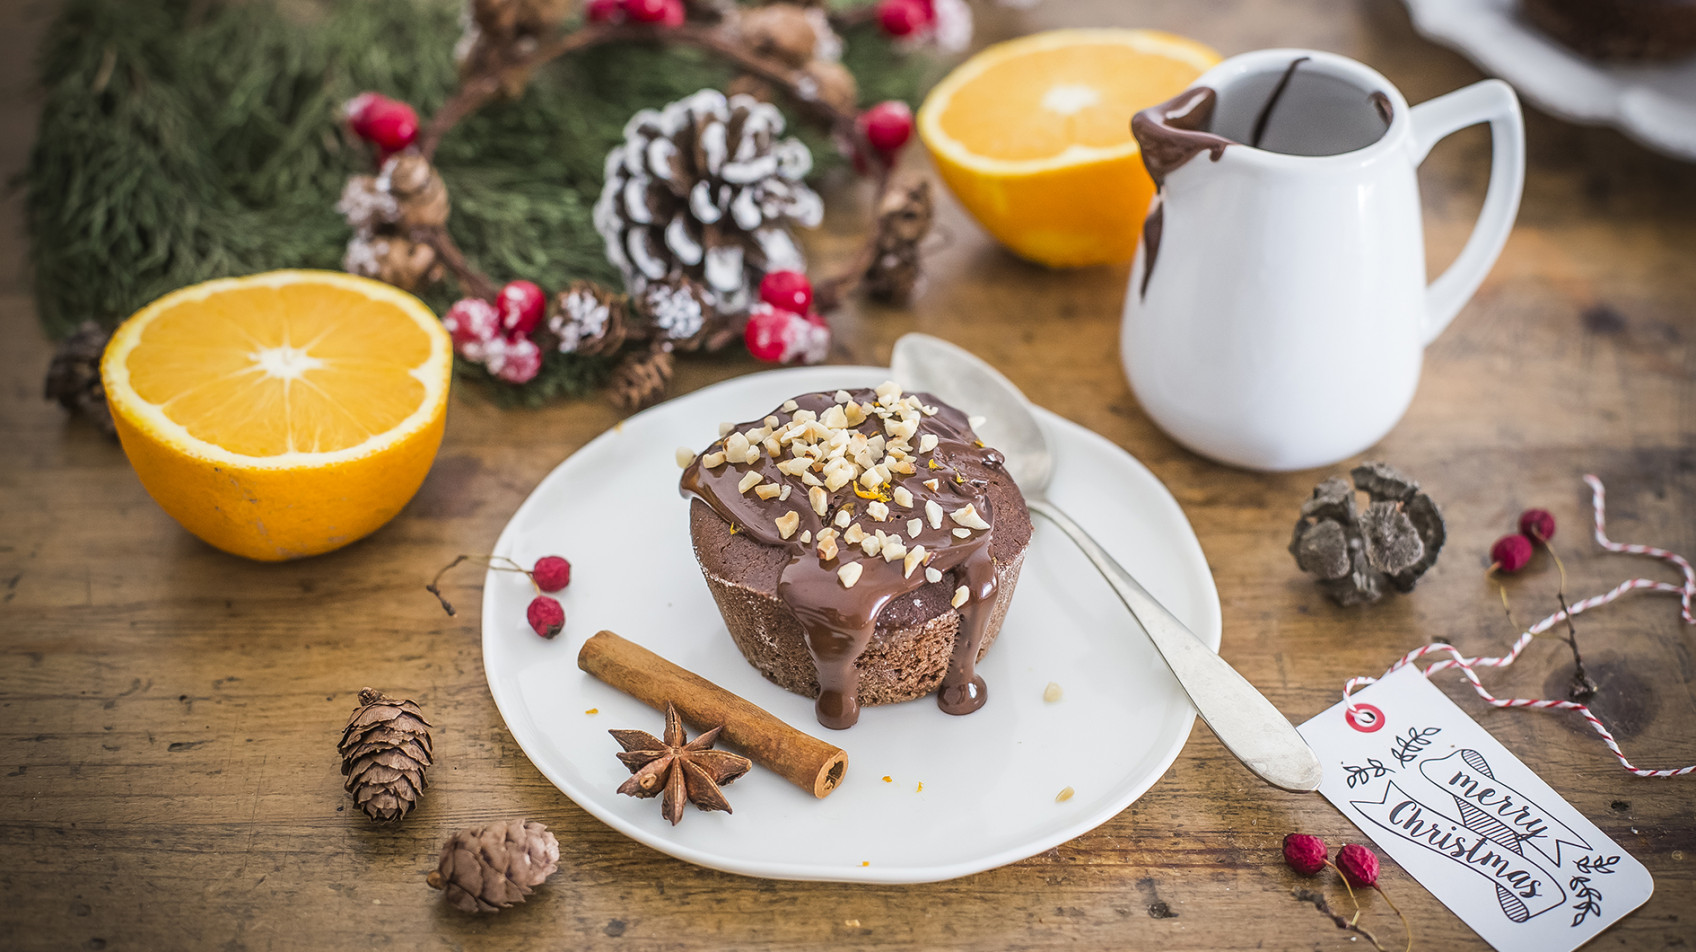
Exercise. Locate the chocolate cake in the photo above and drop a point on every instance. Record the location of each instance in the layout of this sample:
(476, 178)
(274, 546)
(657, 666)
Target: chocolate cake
(1618, 29)
(863, 547)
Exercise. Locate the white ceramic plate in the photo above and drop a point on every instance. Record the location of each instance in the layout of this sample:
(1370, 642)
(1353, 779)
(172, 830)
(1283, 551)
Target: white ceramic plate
(989, 778)
(1652, 103)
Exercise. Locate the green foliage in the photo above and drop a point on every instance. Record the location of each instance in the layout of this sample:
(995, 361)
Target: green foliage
(183, 140)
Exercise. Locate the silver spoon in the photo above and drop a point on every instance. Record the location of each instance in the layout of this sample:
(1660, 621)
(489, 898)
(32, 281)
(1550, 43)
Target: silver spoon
(1244, 721)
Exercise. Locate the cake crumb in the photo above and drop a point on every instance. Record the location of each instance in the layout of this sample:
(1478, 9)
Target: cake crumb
(1064, 795)
(1051, 693)
(852, 923)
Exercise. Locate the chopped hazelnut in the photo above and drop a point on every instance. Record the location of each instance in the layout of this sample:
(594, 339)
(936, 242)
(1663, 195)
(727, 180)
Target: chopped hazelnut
(961, 596)
(749, 481)
(927, 442)
(685, 456)
(849, 574)
(960, 533)
(854, 413)
(932, 575)
(933, 512)
(903, 496)
(819, 499)
(871, 545)
(767, 490)
(932, 484)
(788, 523)
(914, 527)
(843, 396)
(789, 406)
(878, 510)
(915, 557)
(724, 428)
(893, 549)
(843, 517)
(806, 536)
(713, 460)
(967, 516)
(1051, 693)
(854, 534)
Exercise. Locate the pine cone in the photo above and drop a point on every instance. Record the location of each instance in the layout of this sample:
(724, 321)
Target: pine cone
(385, 750)
(640, 380)
(496, 32)
(492, 867)
(903, 219)
(73, 377)
(782, 31)
(706, 189)
(681, 312)
(1353, 553)
(587, 319)
(420, 195)
(829, 82)
(402, 262)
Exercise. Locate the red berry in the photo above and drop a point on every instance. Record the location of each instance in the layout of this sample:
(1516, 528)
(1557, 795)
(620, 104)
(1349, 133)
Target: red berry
(1358, 864)
(471, 321)
(603, 11)
(659, 12)
(1304, 853)
(516, 362)
(545, 615)
(1511, 553)
(522, 305)
(788, 290)
(785, 337)
(1537, 524)
(551, 573)
(900, 18)
(389, 124)
(887, 125)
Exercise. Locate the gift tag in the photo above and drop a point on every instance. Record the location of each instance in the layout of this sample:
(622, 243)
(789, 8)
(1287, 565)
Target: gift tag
(1471, 822)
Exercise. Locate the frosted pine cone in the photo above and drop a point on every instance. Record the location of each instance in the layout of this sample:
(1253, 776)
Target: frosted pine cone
(705, 189)
(586, 320)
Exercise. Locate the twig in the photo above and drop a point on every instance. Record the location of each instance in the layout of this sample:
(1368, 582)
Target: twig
(1319, 903)
(471, 280)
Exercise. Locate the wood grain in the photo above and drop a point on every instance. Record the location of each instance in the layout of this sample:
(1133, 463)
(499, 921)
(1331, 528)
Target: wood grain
(168, 714)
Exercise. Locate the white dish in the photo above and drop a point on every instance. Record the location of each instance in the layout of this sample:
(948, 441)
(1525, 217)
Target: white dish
(1654, 103)
(990, 778)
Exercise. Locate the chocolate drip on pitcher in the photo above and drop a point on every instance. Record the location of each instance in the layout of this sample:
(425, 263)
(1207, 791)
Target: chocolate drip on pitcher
(1170, 135)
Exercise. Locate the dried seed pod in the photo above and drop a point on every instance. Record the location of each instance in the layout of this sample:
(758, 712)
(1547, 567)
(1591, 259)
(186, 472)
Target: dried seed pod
(1353, 553)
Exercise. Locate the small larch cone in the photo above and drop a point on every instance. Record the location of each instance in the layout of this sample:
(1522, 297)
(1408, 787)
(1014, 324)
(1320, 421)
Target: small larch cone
(640, 380)
(73, 378)
(492, 867)
(385, 750)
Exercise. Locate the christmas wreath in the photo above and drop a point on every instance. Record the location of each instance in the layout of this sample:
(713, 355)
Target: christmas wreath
(587, 150)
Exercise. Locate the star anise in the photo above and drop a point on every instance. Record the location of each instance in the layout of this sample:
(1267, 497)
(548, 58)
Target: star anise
(688, 772)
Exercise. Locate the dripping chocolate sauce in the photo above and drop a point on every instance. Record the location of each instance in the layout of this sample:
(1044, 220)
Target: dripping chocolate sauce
(839, 622)
(1170, 135)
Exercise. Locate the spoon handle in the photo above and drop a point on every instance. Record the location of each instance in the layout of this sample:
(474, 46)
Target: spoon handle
(1242, 718)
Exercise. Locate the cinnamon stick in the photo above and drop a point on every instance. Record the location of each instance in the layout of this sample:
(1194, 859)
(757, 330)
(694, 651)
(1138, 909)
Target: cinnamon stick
(799, 758)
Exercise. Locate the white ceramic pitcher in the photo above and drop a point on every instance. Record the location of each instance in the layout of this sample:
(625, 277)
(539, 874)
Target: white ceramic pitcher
(1278, 310)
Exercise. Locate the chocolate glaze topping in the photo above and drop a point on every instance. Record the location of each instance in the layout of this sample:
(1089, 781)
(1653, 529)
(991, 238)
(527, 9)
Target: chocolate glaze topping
(840, 620)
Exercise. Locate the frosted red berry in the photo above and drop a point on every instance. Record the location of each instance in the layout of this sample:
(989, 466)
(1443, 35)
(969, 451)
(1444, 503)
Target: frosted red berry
(778, 336)
(471, 321)
(389, 124)
(1304, 853)
(658, 12)
(521, 305)
(1359, 865)
(516, 362)
(1511, 553)
(903, 18)
(1537, 525)
(545, 616)
(551, 573)
(603, 11)
(887, 125)
(789, 290)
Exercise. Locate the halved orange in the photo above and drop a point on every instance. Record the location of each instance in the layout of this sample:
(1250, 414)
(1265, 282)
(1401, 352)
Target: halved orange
(1033, 136)
(282, 414)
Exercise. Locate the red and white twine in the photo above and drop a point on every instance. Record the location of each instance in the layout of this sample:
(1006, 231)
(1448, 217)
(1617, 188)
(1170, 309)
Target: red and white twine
(1686, 592)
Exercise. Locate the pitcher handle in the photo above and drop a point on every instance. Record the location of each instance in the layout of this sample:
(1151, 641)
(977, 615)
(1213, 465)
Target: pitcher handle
(1491, 101)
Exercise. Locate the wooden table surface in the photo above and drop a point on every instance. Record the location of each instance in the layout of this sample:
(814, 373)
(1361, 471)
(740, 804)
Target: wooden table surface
(168, 713)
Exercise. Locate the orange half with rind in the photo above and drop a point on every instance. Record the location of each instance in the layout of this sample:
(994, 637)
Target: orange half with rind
(283, 414)
(1033, 137)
